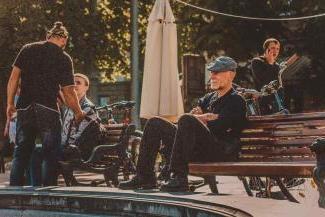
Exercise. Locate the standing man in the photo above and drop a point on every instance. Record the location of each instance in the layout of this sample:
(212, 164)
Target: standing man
(43, 68)
(265, 68)
(210, 133)
(71, 134)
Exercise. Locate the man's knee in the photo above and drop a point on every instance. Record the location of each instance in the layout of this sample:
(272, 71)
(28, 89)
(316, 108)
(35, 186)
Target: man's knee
(154, 122)
(187, 119)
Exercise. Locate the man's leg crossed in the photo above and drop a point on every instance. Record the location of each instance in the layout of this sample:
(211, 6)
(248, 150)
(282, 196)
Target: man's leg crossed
(156, 132)
(193, 141)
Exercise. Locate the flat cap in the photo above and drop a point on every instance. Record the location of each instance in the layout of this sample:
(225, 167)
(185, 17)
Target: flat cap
(222, 64)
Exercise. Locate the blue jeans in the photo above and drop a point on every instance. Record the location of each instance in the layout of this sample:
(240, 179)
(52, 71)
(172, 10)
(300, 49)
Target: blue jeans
(34, 171)
(36, 120)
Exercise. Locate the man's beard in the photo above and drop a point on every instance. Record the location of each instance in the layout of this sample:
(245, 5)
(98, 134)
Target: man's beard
(215, 86)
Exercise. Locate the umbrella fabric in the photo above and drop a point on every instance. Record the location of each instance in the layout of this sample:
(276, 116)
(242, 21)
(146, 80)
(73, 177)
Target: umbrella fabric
(161, 93)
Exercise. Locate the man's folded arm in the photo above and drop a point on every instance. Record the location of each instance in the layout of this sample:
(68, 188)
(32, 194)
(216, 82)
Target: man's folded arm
(230, 116)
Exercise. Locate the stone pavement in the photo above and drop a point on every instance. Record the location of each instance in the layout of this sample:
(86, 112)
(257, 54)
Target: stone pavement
(231, 191)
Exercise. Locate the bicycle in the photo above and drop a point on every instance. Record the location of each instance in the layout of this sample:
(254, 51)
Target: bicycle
(268, 101)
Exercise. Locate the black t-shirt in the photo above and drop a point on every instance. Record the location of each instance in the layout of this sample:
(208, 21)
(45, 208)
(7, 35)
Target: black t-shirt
(44, 68)
(231, 109)
(264, 72)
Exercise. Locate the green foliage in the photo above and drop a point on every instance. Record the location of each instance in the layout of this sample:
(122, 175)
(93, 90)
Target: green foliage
(206, 32)
(99, 31)
(101, 40)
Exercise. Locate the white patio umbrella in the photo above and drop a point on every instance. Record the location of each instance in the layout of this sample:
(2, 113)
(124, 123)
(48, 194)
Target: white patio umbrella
(161, 93)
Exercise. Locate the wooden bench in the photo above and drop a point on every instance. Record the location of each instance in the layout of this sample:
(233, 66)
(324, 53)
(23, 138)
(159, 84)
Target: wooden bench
(273, 146)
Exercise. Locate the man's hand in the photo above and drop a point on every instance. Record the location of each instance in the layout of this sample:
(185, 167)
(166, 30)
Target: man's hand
(210, 116)
(61, 99)
(207, 117)
(79, 117)
(11, 110)
(196, 111)
(6, 130)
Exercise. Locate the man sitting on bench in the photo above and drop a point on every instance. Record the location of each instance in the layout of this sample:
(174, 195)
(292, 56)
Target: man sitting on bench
(210, 133)
(76, 135)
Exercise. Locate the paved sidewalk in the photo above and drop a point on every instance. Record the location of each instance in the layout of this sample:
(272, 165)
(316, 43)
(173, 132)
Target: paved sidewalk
(306, 193)
(231, 193)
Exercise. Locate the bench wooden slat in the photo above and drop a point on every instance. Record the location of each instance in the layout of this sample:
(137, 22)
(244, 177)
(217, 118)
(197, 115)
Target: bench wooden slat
(292, 169)
(288, 117)
(113, 139)
(277, 152)
(286, 124)
(277, 142)
(275, 159)
(115, 126)
(287, 133)
(115, 132)
(298, 132)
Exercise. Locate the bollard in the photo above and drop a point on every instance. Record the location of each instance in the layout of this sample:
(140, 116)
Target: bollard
(318, 146)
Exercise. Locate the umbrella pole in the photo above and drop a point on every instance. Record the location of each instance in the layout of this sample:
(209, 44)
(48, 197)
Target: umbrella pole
(135, 92)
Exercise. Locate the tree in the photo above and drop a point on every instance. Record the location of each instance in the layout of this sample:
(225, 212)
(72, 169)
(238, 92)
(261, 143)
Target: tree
(242, 38)
(100, 31)
(99, 34)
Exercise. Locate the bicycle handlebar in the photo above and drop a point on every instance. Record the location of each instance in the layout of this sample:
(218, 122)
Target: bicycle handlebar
(118, 105)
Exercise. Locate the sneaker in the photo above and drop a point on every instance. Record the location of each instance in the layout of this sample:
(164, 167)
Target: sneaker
(178, 183)
(138, 182)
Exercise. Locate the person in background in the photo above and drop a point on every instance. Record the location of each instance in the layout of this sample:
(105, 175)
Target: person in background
(265, 68)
